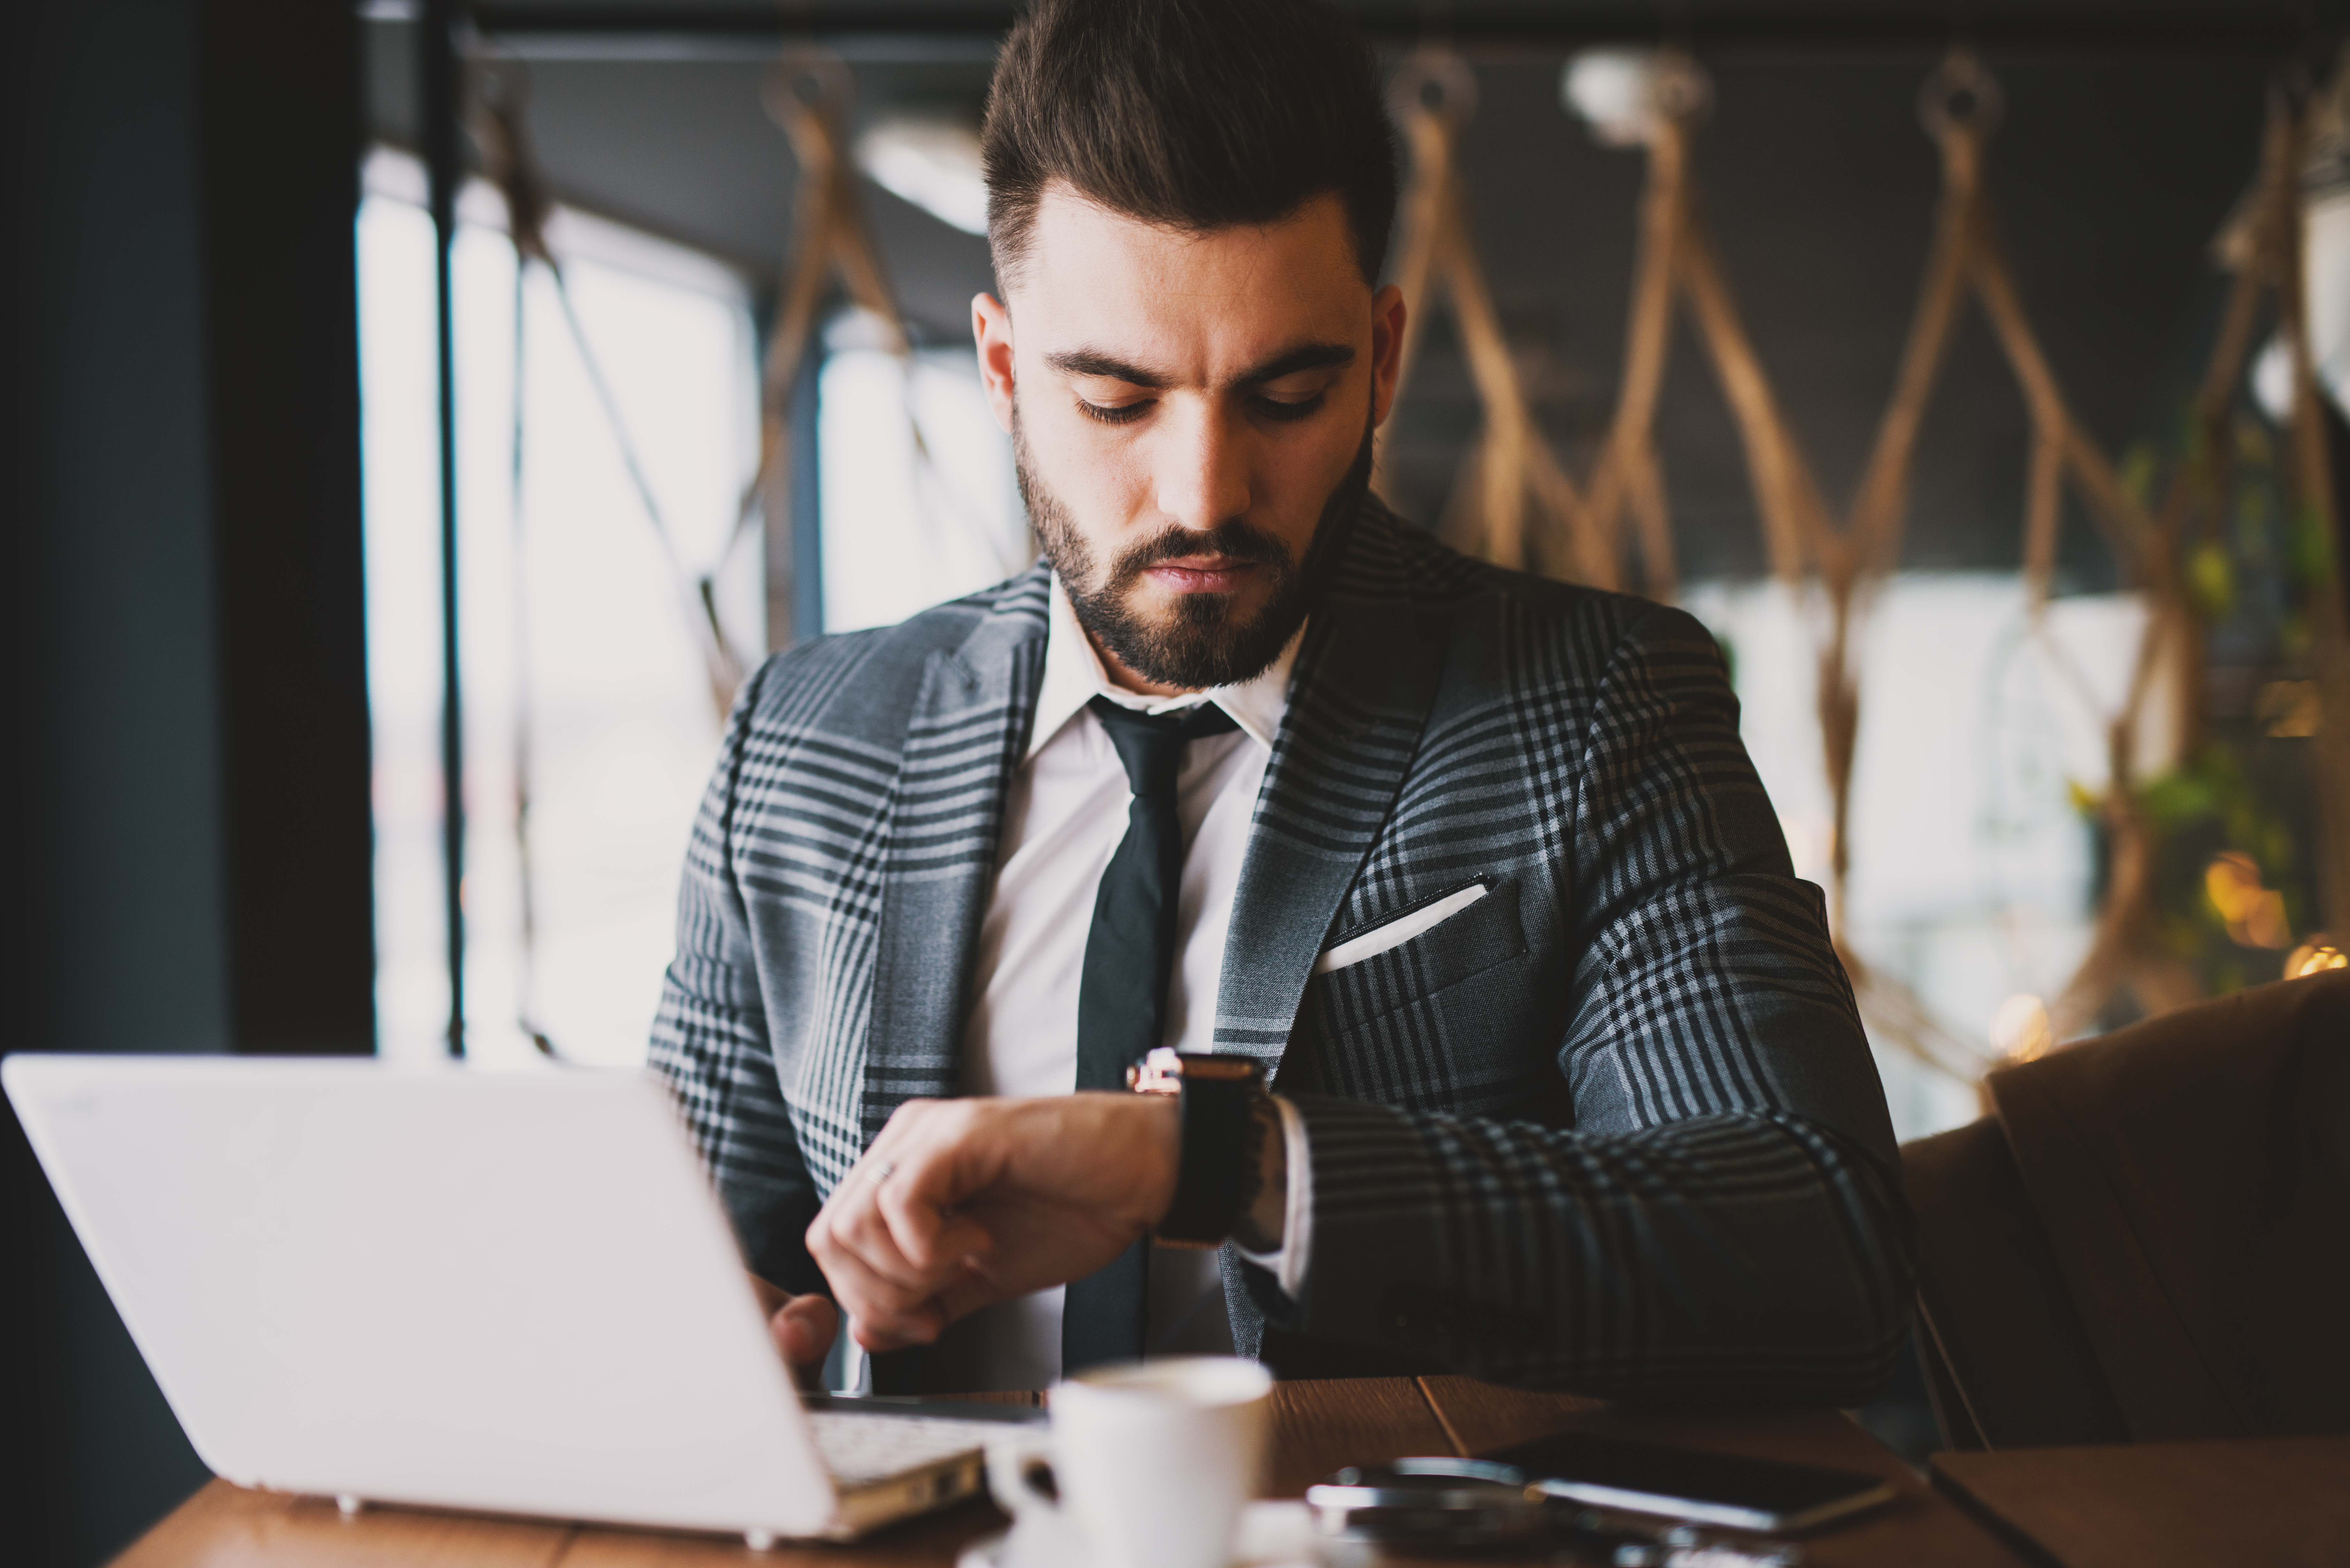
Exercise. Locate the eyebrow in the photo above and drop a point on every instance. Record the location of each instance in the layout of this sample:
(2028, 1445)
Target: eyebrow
(1288, 362)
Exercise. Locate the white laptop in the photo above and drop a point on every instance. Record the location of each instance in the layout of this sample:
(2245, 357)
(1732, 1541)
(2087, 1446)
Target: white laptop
(513, 1292)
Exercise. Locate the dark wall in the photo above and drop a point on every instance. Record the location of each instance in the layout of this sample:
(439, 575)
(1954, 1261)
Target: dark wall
(2111, 173)
(185, 808)
(280, 130)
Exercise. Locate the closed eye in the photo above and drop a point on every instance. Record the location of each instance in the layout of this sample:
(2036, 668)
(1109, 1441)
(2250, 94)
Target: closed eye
(1285, 410)
(1279, 410)
(1115, 414)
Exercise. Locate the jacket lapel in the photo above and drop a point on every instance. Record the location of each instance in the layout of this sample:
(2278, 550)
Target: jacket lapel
(964, 735)
(1367, 678)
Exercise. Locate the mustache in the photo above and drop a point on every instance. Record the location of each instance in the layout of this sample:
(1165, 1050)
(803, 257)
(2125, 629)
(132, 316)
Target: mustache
(1232, 539)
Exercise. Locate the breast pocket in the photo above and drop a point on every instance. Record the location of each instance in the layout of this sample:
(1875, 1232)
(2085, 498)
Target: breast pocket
(1366, 974)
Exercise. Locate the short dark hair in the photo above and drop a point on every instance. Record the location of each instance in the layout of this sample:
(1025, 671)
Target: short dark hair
(1197, 114)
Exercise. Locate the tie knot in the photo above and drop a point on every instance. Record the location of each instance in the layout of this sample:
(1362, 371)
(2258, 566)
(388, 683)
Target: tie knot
(1151, 744)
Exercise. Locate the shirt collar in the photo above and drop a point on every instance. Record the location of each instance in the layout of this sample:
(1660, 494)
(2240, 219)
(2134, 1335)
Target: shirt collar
(1074, 677)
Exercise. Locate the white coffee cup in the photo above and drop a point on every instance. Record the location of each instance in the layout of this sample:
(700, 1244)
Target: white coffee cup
(1147, 1464)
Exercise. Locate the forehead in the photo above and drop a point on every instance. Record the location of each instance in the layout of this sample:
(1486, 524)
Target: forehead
(1185, 301)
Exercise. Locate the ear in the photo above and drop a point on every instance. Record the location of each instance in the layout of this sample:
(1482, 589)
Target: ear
(990, 329)
(1387, 315)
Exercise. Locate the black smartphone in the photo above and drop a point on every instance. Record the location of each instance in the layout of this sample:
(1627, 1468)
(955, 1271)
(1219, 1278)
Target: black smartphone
(1705, 1488)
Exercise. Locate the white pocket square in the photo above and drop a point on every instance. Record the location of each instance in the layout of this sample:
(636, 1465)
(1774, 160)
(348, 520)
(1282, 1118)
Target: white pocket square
(1397, 932)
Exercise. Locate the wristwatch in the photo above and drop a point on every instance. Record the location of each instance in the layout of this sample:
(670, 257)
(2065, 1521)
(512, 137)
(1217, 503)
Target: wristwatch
(1216, 1179)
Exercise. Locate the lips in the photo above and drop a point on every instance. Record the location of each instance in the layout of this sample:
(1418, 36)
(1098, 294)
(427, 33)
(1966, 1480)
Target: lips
(1200, 574)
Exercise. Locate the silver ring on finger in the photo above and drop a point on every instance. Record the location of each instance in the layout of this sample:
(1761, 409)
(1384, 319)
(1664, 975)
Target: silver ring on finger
(884, 1171)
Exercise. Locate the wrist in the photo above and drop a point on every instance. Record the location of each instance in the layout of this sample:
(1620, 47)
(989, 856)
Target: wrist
(1264, 1222)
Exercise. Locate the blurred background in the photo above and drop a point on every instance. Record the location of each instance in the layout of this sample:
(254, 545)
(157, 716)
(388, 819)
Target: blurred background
(418, 403)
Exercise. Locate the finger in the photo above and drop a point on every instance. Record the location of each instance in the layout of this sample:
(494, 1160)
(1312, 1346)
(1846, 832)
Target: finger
(924, 1226)
(846, 1208)
(862, 1183)
(877, 1305)
(890, 1200)
(805, 1328)
(908, 1121)
(944, 1162)
(968, 1293)
(880, 1340)
(862, 1229)
(770, 1297)
(902, 1218)
(849, 1219)
(877, 1162)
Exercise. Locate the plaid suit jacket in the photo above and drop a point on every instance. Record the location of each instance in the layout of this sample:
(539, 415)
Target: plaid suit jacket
(1613, 1127)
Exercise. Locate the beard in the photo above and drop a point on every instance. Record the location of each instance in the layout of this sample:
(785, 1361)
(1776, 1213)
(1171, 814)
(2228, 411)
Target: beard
(1203, 639)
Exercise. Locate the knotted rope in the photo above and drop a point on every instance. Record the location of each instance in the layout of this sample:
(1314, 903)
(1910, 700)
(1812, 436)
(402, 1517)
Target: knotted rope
(1433, 96)
(807, 93)
(1960, 106)
(498, 101)
(497, 104)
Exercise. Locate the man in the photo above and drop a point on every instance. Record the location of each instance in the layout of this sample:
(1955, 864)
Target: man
(1568, 1085)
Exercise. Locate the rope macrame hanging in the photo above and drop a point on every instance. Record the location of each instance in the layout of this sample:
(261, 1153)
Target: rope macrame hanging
(1960, 106)
(1848, 563)
(807, 93)
(498, 101)
(1675, 259)
(1433, 96)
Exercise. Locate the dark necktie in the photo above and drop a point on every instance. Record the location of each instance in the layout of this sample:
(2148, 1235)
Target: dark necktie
(1122, 992)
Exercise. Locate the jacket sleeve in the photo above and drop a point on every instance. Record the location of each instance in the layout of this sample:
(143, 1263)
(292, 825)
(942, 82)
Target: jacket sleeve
(710, 1039)
(1724, 1219)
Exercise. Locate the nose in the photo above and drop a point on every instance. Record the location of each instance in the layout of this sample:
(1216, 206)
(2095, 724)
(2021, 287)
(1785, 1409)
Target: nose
(1203, 468)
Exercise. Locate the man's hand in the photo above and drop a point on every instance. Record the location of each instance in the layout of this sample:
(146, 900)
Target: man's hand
(962, 1203)
(803, 1327)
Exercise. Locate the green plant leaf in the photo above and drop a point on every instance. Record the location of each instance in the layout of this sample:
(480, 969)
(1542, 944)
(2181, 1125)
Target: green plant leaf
(2211, 579)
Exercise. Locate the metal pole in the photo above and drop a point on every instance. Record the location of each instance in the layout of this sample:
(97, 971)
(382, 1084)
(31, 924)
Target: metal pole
(440, 79)
(806, 523)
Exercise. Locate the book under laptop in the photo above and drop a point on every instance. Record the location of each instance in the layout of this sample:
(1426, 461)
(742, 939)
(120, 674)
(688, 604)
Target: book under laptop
(510, 1293)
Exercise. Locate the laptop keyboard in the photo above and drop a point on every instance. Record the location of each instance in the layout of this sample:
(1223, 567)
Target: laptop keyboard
(856, 1446)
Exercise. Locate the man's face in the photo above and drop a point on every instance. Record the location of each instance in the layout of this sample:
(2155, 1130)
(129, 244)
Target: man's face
(1191, 412)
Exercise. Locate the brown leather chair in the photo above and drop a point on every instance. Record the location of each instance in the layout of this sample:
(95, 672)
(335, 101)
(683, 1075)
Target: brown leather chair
(2148, 1239)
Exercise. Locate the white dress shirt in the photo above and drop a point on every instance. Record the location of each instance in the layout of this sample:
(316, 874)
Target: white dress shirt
(1063, 814)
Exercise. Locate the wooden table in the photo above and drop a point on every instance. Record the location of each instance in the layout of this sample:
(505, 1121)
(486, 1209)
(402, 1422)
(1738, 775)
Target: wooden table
(1316, 1428)
(2282, 1502)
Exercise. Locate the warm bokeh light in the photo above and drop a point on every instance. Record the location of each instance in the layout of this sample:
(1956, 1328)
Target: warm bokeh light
(2292, 709)
(2319, 952)
(2020, 1030)
(2254, 914)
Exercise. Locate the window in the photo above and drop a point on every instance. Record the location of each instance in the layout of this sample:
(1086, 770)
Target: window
(572, 619)
(905, 528)
(1972, 879)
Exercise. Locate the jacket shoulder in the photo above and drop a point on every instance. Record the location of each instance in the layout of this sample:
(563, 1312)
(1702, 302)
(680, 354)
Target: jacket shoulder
(1455, 596)
(845, 679)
